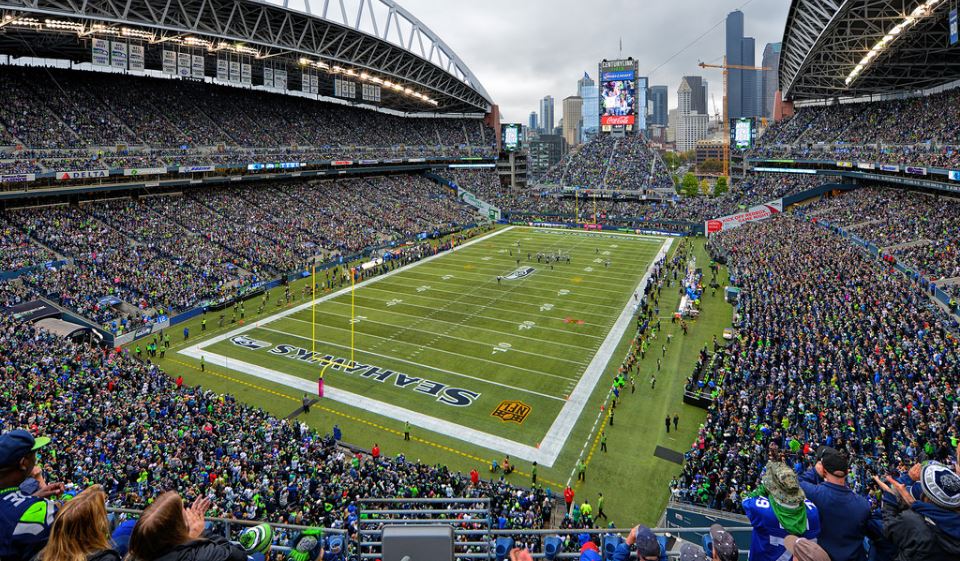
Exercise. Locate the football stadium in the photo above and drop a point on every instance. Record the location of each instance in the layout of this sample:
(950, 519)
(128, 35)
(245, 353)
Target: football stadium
(250, 310)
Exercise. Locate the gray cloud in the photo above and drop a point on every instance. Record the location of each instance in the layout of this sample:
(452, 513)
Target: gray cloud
(522, 50)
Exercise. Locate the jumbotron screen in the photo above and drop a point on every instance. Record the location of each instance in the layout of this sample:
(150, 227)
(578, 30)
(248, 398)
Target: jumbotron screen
(510, 133)
(743, 134)
(618, 93)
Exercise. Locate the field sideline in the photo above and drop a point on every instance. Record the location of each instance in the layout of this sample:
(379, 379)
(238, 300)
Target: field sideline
(544, 368)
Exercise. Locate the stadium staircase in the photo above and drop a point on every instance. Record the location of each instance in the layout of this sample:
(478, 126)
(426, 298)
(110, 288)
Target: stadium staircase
(606, 170)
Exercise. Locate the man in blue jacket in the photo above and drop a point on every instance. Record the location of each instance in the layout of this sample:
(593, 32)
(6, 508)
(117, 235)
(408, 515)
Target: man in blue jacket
(844, 516)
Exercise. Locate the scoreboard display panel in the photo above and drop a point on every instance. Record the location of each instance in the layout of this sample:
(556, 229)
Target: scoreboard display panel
(510, 134)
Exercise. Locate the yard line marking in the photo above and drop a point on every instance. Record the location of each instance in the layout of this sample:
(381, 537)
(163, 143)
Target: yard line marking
(513, 324)
(493, 268)
(472, 357)
(498, 332)
(545, 454)
(426, 366)
(439, 335)
(527, 287)
(488, 307)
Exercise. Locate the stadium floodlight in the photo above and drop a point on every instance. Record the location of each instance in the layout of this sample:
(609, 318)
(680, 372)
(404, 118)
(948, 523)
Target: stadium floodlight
(922, 11)
(63, 25)
(137, 34)
(22, 22)
(196, 42)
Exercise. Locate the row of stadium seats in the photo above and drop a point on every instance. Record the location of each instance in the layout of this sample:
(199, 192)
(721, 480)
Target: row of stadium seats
(46, 110)
(627, 163)
(833, 348)
(926, 226)
(755, 188)
(125, 425)
(916, 120)
(914, 131)
(166, 254)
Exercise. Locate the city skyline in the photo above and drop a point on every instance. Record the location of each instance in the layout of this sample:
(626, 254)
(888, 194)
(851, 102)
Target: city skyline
(651, 33)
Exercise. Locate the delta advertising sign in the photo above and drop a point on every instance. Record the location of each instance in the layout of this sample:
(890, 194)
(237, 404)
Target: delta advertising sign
(87, 174)
(753, 214)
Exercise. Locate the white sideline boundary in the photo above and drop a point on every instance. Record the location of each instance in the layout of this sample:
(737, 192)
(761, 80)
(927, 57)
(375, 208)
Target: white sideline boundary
(550, 446)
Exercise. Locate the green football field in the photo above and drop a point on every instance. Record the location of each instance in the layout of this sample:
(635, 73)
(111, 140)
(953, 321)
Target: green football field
(499, 343)
(633, 479)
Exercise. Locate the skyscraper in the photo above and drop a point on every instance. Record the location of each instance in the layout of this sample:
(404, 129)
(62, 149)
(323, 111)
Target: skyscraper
(698, 93)
(590, 118)
(572, 119)
(742, 85)
(532, 123)
(659, 103)
(769, 82)
(546, 115)
(691, 124)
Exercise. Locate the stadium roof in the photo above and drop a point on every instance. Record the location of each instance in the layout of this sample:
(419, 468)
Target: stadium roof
(374, 38)
(825, 41)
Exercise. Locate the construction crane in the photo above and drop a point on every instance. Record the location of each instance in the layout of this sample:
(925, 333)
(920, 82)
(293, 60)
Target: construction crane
(726, 120)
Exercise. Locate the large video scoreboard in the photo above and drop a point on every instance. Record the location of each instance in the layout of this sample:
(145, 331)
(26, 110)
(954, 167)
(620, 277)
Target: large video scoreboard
(623, 95)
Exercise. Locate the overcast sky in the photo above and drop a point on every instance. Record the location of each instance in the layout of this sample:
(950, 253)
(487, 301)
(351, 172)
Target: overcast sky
(522, 50)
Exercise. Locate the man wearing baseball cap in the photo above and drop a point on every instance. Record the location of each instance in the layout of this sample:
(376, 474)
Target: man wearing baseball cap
(844, 515)
(25, 520)
(648, 548)
(776, 510)
(722, 544)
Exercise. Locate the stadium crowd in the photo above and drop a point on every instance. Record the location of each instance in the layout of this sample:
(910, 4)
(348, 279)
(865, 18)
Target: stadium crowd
(627, 163)
(909, 121)
(65, 120)
(926, 225)
(911, 131)
(169, 253)
(139, 433)
(861, 363)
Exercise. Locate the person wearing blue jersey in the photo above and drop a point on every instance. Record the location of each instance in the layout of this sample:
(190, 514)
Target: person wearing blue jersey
(777, 509)
(25, 519)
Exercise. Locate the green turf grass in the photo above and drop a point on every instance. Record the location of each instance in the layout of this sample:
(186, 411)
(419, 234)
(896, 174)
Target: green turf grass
(634, 482)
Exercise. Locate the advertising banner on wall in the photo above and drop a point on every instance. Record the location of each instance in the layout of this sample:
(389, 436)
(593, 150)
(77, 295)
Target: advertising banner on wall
(144, 171)
(222, 72)
(18, 178)
(234, 70)
(246, 73)
(753, 214)
(280, 79)
(86, 174)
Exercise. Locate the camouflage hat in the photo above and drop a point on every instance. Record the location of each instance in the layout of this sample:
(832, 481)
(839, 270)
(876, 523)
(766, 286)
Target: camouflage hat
(782, 486)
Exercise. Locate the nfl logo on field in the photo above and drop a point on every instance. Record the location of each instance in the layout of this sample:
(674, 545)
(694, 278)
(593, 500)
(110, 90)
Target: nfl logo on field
(509, 410)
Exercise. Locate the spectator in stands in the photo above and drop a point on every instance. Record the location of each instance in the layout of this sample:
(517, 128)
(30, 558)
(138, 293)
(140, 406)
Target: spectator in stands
(844, 516)
(25, 519)
(645, 542)
(923, 520)
(778, 509)
(80, 530)
(169, 530)
(722, 545)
